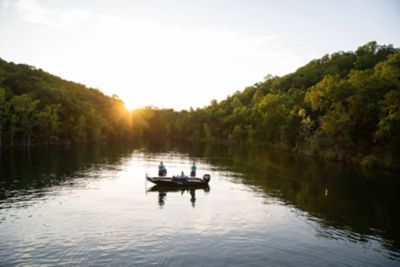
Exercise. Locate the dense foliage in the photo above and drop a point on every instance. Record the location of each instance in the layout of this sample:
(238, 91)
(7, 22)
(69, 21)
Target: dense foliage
(344, 106)
(39, 108)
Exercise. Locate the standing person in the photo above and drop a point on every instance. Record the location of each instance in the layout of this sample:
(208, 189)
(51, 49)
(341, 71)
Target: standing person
(162, 171)
(193, 171)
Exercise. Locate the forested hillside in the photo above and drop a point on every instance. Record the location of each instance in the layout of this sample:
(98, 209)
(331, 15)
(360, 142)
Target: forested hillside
(39, 108)
(344, 106)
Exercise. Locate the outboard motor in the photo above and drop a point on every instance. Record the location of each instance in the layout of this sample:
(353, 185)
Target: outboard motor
(206, 177)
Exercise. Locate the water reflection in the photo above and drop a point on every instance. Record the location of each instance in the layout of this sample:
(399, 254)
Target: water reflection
(345, 203)
(163, 190)
(28, 174)
(342, 196)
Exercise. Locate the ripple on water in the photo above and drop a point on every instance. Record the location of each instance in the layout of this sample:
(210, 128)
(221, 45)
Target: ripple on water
(97, 216)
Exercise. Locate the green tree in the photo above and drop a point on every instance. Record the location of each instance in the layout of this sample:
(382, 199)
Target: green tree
(25, 109)
(3, 111)
(79, 130)
(94, 124)
(48, 124)
(320, 96)
(388, 129)
(336, 125)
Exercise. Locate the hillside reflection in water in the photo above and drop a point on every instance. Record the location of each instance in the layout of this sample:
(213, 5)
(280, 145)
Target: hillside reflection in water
(92, 205)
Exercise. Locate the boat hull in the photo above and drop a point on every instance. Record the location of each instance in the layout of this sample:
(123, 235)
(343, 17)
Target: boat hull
(168, 189)
(173, 181)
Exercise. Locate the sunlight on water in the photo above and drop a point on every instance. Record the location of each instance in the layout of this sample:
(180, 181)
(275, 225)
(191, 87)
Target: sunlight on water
(105, 213)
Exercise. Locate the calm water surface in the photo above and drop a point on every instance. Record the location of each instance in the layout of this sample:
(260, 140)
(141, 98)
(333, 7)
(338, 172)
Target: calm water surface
(92, 206)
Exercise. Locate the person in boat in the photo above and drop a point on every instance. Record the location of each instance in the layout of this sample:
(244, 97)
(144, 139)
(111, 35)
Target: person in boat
(162, 171)
(193, 170)
(183, 176)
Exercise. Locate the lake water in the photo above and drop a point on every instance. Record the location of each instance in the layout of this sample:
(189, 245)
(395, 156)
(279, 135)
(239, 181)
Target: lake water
(92, 206)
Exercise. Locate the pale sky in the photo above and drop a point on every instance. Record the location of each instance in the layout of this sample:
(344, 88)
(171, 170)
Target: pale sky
(181, 54)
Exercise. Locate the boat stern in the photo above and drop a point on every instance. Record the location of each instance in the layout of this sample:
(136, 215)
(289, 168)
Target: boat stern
(207, 178)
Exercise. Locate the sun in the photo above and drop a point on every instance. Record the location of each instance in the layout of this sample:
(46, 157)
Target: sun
(140, 99)
(130, 106)
(132, 101)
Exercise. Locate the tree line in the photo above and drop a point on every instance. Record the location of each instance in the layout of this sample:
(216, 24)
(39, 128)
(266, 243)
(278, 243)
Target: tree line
(344, 106)
(39, 108)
